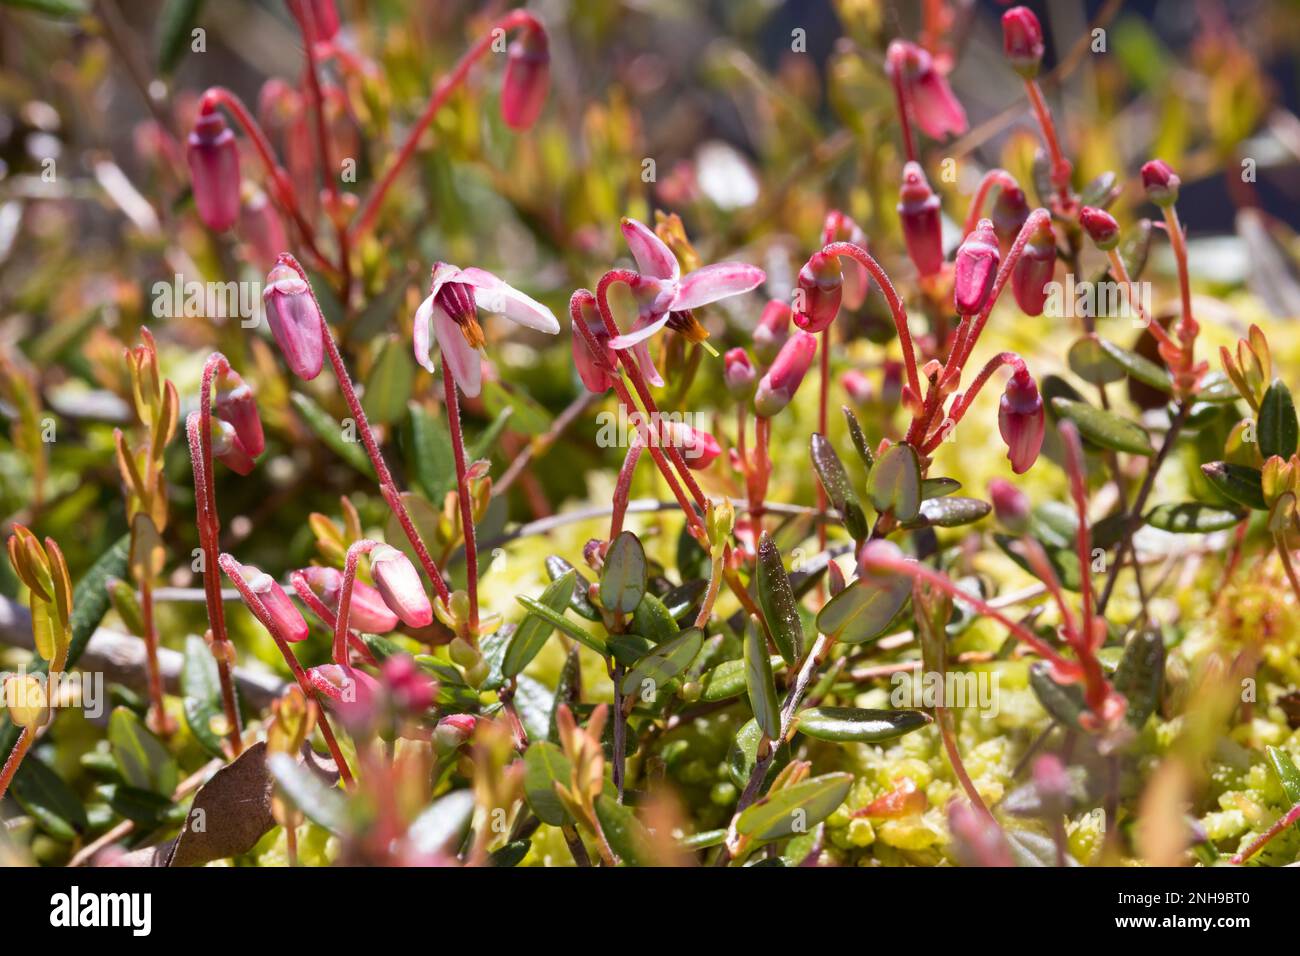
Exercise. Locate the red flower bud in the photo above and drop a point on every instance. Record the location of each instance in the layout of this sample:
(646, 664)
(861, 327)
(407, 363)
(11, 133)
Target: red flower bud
(455, 729)
(352, 692)
(1010, 210)
(528, 72)
(235, 404)
(1022, 41)
(410, 688)
(283, 612)
(936, 110)
(295, 320)
(1034, 269)
(976, 268)
(821, 284)
(778, 386)
(739, 374)
(773, 330)
(1021, 419)
(879, 558)
(1160, 182)
(213, 159)
(229, 450)
(1010, 504)
(366, 611)
(857, 386)
(918, 208)
(1100, 226)
(399, 583)
(697, 446)
(324, 19)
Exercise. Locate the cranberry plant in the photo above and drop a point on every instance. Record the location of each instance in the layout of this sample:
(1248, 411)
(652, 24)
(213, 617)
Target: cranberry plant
(839, 531)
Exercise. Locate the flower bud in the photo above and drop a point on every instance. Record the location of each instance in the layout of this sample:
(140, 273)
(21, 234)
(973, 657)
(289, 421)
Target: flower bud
(1160, 182)
(325, 19)
(936, 110)
(593, 376)
(772, 332)
(283, 613)
(229, 450)
(821, 285)
(410, 688)
(528, 72)
(25, 697)
(454, 730)
(366, 611)
(857, 280)
(1010, 504)
(213, 159)
(1100, 226)
(857, 386)
(697, 446)
(351, 692)
(234, 403)
(399, 583)
(918, 209)
(879, 558)
(738, 372)
(1010, 210)
(777, 387)
(295, 321)
(1022, 41)
(1021, 419)
(976, 268)
(1034, 269)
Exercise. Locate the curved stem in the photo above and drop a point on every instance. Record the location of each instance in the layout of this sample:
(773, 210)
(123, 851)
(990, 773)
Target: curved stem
(964, 401)
(462, 494)
(1284, 821)
(1134, 300)
(15, 758)
(994, 177)
(327, 617)
(1060, 165)
(342, 620)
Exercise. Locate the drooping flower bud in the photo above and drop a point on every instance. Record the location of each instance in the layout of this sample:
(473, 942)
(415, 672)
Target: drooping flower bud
(739, 374)
(936, 110)
(234, 403)
(821, 285)
(857, 386)
(528, 72)
(295, 320)
(1034, 269)
(976, 268)
(1010, 504)
(1100, 226)
(351, 691)
(282, 611)
(772, 332)
(1021, 419)
(213, 158)
(777, 387)
(697, 446)
(590, 369)
(399, 583)
(411, 689)
(918, 209)
(1022, 41)
(1010, 210)
(367, 610)
(454, 730)
(1160, 182)
(229, 450)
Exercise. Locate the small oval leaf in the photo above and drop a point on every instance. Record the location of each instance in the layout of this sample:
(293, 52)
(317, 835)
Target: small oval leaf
(894, 485)
(795, 809)
(1192, 517)
(860, 724)
(862, 611)
(1278, 429)
(835, 480)
(776, 598)
(663, 664)
(623, 579)
(759, 683)
(1104, 428)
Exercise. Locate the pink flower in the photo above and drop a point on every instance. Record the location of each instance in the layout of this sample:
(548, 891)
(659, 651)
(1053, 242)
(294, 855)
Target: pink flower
(821, 285)
(1010, 504)
(590, 370)
(283, 613)
(399, 584)
(1160, 182)
(918, 209)
(1022, 41)
(664, 295)
(772, 331)
(739, 374)
(976, 268)
(324, 19)
(295, 320)
(454, 730)
(698, 447)
(213, 159)
(1021, 419)
(1034, 269)
(367, 610)
(1100, 226)
(931, 99)
(229, 450)
(782, 380)
(528, 73)
(235, 404)
(455, 296)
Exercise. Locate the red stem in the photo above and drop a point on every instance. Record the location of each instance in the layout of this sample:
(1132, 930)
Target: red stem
(909, 143)
(1060, 165)
(623, 488)
(15, 758)
(994, 177)
(462, 493)
(964, 401)
(1282, 823)
(318, 607)
(343, 618)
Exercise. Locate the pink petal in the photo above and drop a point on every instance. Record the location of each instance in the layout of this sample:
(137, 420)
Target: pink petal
(653, 258)
(718, 281)
(493, 295)
(463, 362)
(639, 333)
(420, 339)
(641, 353)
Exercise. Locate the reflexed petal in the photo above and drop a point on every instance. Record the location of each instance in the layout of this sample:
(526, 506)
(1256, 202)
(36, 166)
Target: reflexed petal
(493, 295)
(420, 339)
(457, 354)
(639, 333)
(641, 352)
(718, 281)
(653, 257)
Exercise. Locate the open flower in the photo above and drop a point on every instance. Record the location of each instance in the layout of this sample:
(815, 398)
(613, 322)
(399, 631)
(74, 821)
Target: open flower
(455, 296)
(666, 297)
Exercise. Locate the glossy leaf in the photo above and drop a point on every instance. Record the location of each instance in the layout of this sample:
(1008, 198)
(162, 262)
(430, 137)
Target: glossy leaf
(950, 512)
(1104, 428)
(795, 809)
(835, 481)
(1063, 701)
(1140, 675)
(776, 598)
(860, 444)
(201, 694)
(759, 683)
(579, 603)
(145, 763)
(1278, 429)
(727, 680)
(623, 579)
(651, 674)
(579, 634)
(653, 621)
(1192, 517)
(45, 797)
(533, 633)
(859, 724)
(1088, 360)
(626, 835)
(544, 766)
(863, 610)
(1239, 483)
(1138, 367)
(894, 485)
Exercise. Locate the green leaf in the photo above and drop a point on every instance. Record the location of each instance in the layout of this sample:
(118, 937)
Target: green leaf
(557, 567)
(627, 837)
(142, 758)
(623, 579)
(727, 680)
(1063, 701)
(759, 683)
(663, 664)
(1138, 367)
(859, 723)
(1031, 848)
(742, 758)
(1278, 428)
(939, 487)
(49, 801)
(544, 766)
(429, 457)
(1287, 774)
(320, 802)
(776, 598)
(1192, 517)
(859, 439)
(527, 416)
(579, 634)
(952, 512)
(627, 649)
(532, 634)
(201, 694)
(176, 22)
(795, 809)
(835, 480)
(486, 442)
(1135, 247)
(1088, 360)
(863, 610)
(330, 432)
(1141, 674)
(442, 826)
(512, 854)
(1104, 428)
(653, 621)
(1239, 483)
(894, 485)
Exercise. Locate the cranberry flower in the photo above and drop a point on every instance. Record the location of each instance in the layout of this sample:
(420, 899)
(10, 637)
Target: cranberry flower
(451, 309)
(666, 297)
(933, 105)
